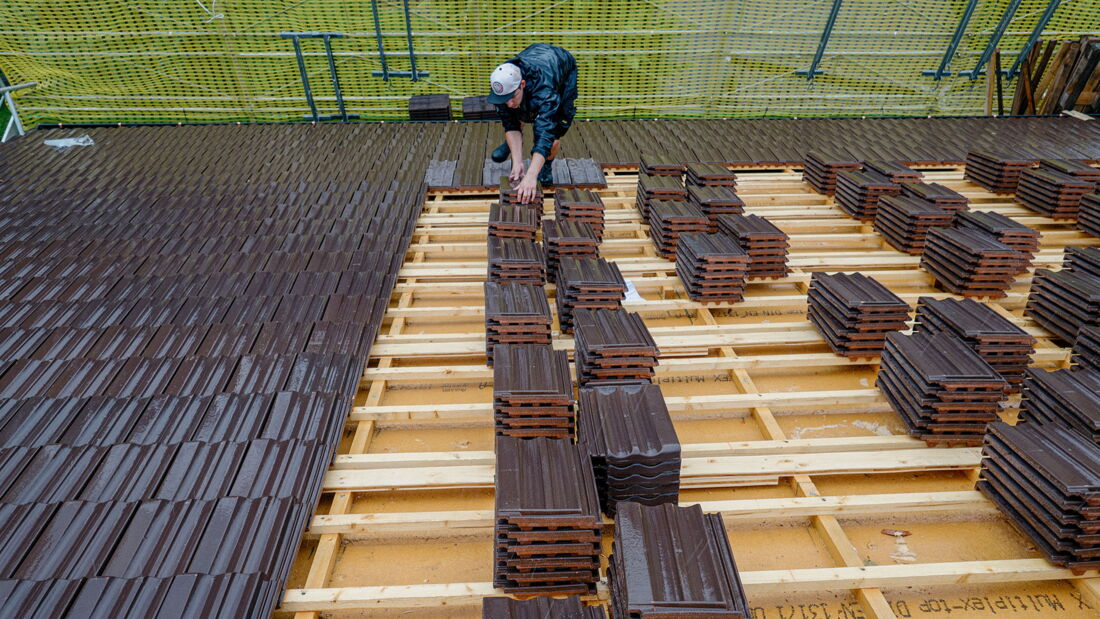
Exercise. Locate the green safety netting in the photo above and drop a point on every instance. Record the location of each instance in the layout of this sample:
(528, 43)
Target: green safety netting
(224, 60)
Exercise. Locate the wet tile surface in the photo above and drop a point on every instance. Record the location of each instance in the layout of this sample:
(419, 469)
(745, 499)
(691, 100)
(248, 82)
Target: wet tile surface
(186, 315)
(673, 561)
(1044, 478)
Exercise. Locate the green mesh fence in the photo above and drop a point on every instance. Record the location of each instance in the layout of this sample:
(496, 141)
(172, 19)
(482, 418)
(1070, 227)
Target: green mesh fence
(223, 60)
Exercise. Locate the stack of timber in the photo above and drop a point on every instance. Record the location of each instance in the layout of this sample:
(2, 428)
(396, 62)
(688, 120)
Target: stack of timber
(1057, 76)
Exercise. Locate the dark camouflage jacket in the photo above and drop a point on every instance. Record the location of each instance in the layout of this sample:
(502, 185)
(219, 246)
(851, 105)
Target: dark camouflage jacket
(549, 96)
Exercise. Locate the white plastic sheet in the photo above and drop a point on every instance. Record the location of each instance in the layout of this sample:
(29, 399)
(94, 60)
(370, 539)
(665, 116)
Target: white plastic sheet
(65, 143)
(632, 292)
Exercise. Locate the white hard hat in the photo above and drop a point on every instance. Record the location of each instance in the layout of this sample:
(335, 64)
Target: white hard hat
(504, 81)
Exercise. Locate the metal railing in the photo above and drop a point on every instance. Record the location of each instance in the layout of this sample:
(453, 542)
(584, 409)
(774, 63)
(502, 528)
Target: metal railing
(14, 126)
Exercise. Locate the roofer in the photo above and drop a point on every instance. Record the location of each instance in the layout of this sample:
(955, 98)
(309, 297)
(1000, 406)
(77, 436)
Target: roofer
(538, 86)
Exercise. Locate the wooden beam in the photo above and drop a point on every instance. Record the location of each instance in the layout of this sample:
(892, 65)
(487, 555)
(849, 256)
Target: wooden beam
(764, 302)
(690, 450)
(636, 266)
(755, 582)
(387, 597)
(441, 524)
(713, 472)
(923, 574)
(676, 365)
(803, 333)
(474, 243)
(676, 404)
(565, 341)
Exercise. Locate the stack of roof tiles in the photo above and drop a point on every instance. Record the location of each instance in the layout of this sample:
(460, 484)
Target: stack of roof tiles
(1071, 397)
(539, 608)
(1082, 261)
(612, 347)
(854, 312)
(1088, 216)
(1005, 229)
(430, 107)
(577, 173)
(653, 187)
(668, 220)
(628, 434)
(1064, 301)
(1046, 480)
(478, 108)
(661, 165)
(820, 170)
(509, 195)
(512, 221)
(580, 205)
(765, 243)
(519, 261)
(532, 391)
(669, 561)
(858, 192)
(547, 516)
(896, 171)
(515, 314)
(944, 197)
(1003, 345)
(1073, 167)
(970, 262)
(713, 267)
(710, 175)
(1051, 193)
(905, 221)
(1086, 348)
(564, 237)
(588, 283)
(995, 172)
(714, 201)
(942, 389)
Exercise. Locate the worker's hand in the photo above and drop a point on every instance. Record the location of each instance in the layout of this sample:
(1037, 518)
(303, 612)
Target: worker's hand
(516, 174)
(525, 190)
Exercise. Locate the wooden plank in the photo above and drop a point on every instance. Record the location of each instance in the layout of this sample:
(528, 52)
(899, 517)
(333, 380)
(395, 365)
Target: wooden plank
(386, 597)
(670, 366)
(665, 343)
(690, 450)
(1012, 299)
(847, 264)
(725, 403)
(439, 524)
(1060, 79)
(879, 258)
(565, 342)
(922, 574)
(722, 471)
(899, 277)
(755, 582)
(798, 241)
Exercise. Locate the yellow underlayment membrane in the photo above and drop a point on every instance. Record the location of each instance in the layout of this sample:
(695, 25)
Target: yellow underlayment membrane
(792, 444)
